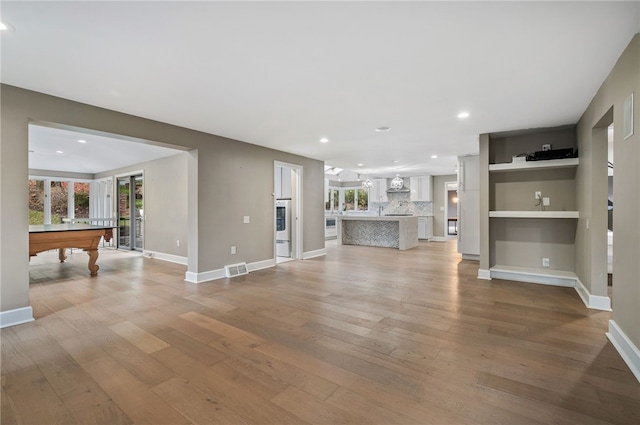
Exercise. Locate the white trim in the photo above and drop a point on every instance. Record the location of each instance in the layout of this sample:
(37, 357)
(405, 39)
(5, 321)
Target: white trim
(259, 265)
(627, 350)
(129, 174)
(194, 277)
(438, 239)
(17, 316)
(595, 302)
(484, 274)
(544, 277)
(164, 257)
(471, 257)
(313, 254)
(221, 274)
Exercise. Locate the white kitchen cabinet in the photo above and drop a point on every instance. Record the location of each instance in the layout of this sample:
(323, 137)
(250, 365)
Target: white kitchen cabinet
(469, 207)
(420, 188)
(425, 227)
(378, 193)
(283, 183)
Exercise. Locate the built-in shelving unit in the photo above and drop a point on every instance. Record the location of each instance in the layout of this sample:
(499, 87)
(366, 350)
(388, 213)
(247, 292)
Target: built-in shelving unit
(534, 214)
(534, 275)
(534, 165)
(529, 240)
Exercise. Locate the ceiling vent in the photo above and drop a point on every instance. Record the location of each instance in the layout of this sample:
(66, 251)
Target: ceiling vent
(233, 270)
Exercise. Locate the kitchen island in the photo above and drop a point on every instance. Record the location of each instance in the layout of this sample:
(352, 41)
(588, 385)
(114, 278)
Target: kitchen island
(400, 232)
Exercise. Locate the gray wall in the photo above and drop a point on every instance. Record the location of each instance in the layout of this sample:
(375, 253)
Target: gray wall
(439, 199)
(226, 179)
(165, 202)
(591, 242)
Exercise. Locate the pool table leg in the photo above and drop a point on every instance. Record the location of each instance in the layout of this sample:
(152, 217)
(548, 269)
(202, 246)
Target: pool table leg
(61, 255)
(93, 257)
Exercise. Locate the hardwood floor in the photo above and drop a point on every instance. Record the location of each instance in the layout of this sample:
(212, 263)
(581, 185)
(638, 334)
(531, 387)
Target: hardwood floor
(361, 336)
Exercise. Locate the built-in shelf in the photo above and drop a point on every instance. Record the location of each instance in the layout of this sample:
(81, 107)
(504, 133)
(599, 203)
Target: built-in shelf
(534, 214)
(533, 275)
(534, 165)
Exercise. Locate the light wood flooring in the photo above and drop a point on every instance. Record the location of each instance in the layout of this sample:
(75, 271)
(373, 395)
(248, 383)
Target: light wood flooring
(361, 336)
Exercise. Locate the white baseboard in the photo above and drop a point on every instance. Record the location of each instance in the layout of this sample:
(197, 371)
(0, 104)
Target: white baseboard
(313, 254)
(628, 351)
(220, 273)
(16, 317)
(259, 265)
(165, 257)
(520, 274)
(595, 302)
(205, 276)
(484, 274)
(471, 257)
(438, 239)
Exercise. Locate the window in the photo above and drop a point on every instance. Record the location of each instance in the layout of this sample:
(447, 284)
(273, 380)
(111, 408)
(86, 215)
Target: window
(349, 199)
(36, 201)
(51, 201)
(363, 200)
(81, 200)
(332, 205)
(59, 201)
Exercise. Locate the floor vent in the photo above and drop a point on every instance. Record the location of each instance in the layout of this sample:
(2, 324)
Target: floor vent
(233, 270)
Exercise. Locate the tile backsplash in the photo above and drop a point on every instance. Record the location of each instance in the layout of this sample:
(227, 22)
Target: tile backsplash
(400, 203)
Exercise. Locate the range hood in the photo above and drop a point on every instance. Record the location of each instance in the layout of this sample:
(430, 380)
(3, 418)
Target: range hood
(403, 189)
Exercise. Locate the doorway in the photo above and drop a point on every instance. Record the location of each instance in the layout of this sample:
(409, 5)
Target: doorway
(450, 210)
(288, 212)
(599, 227)
(131, 212)
(610, 211)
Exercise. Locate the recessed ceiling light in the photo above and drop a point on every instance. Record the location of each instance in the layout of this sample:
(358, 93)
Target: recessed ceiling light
(59, 152)
(463, 114)
(361, 165)
(395, 161)
(324, 140)
(382, 129)
(82, 141)
(434, 156)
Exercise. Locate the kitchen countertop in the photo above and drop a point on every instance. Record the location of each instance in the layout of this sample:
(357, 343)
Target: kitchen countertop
(377, 218)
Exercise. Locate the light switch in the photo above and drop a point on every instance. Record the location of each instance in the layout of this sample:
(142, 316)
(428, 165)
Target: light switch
(246, 219)
(546, 202)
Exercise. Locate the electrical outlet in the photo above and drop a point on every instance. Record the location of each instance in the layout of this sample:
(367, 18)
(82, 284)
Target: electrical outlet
(178, 242)
(546, 201)
(233, 250)
(545, 262)
(537, 195)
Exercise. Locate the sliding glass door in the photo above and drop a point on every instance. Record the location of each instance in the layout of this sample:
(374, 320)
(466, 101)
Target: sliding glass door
(131, 212)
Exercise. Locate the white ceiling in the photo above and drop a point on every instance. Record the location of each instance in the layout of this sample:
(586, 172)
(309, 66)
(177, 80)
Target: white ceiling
(59, 149)
(286, 74)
